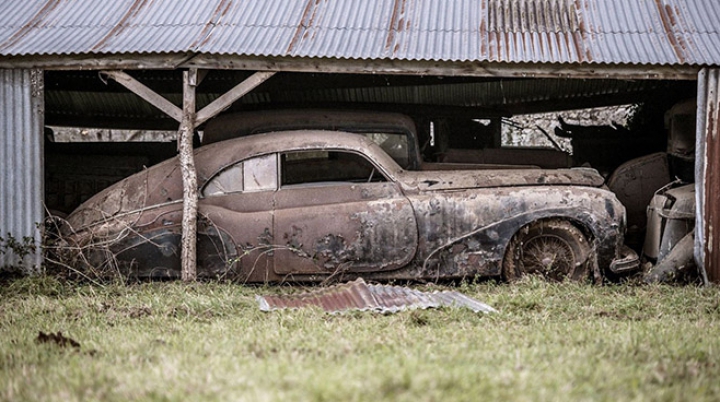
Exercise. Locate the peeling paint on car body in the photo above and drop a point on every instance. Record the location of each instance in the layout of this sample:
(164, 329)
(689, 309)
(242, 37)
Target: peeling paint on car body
(396, 224)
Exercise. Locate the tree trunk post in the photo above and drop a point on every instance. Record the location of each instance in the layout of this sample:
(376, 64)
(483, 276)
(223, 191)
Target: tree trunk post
(189, 175)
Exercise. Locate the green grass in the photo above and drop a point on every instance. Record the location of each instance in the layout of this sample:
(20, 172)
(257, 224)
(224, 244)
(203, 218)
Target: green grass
(209, 341)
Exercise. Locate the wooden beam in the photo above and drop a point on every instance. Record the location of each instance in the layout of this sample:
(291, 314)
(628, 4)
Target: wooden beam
(226, 100)
(446, 68)
(355, 66)
(96, 62)
(91, 119)
(146, 93)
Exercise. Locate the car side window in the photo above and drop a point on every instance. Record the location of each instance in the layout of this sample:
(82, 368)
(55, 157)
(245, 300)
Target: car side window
(256, 174)
(326, 167)
(260, 173)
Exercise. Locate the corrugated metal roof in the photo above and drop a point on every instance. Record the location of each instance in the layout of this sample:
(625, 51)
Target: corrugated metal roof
(661, 32)
(358, 295)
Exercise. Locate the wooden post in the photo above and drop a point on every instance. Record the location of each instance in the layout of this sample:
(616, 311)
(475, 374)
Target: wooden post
(189, 175)
(189, 118)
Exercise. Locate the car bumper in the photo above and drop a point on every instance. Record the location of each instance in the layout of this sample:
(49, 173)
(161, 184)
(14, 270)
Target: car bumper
(627, 261)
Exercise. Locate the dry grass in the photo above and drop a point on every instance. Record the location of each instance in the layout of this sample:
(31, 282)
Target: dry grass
(209, 341)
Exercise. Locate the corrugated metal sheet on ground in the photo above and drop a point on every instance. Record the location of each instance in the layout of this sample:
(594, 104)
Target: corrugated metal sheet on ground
(358, 295)
(676, 32)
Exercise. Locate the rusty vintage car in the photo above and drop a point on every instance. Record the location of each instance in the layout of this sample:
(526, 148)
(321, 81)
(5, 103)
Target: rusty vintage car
(323, 205)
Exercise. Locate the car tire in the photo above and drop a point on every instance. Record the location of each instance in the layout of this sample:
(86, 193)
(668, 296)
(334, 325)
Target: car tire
(554, 249)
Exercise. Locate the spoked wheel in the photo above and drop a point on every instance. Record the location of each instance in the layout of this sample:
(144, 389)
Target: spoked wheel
(554, 249)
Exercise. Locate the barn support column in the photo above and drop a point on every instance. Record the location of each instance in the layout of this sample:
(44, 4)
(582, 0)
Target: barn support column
(189, 175)
(189, 119)
(707, 176)
(22, 109)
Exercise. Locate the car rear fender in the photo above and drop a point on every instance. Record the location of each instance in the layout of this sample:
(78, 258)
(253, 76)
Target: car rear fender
(481, 251)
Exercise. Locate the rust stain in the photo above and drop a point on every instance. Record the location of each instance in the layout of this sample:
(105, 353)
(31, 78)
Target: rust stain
(305, 22)
(536, 25)
(669, 22)
(483, 31)
(581, 37)
(516, 26)
(712, 192)
(395, 25)
(220, 11)
(34, 22)
(122, 24)
(575, 40)
(681, 40)
(501, 56)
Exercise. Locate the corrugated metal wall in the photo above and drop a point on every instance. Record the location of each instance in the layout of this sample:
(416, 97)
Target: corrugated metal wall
(707, 175)
(21, 161)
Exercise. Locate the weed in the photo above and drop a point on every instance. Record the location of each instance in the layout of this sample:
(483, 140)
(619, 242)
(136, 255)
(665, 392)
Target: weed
(17, 248)
(209, 341)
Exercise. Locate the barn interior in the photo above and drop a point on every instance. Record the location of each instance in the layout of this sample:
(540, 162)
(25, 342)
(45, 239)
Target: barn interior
(450, 113)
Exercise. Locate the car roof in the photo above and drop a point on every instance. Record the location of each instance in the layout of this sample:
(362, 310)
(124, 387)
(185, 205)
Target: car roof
(240, 124)
(214, 157)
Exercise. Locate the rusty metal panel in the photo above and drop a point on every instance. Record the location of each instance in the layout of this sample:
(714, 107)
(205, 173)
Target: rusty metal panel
(606, 31)
(358, 295)
(21, 161)
(707, 175)
(660, 32)
(87, 27)
(372, 228)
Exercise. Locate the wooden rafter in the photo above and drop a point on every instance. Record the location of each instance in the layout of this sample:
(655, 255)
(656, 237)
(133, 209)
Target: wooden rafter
(229, 97)
(146, 93)
(206, 113)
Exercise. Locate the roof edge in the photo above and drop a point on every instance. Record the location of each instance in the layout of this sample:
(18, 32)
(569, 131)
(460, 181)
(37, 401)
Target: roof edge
(170, 61)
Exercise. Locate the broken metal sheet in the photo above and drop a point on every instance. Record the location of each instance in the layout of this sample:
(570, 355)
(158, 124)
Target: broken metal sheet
(358, 295)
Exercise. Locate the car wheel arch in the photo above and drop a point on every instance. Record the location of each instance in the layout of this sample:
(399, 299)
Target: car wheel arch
(567, 234)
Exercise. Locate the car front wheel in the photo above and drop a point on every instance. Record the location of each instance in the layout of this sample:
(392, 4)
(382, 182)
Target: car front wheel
(554, 249)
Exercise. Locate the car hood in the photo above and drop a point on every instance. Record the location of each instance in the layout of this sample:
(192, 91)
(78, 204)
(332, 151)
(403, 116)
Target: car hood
(463, 179)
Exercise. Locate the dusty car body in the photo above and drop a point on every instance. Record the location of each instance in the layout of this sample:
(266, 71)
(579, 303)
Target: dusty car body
(318, 205)
(669, 242)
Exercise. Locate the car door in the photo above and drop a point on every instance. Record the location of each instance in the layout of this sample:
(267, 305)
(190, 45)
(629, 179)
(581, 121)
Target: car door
(239, 201)
(335, 211)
